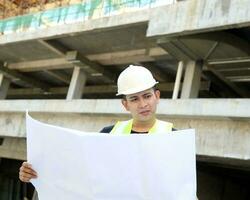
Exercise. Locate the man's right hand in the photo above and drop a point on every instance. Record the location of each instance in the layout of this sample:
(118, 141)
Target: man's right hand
(26, 172)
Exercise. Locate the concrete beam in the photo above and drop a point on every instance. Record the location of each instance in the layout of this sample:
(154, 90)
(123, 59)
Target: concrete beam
(240, 91)
(77, 84)
(92, 68)
(76, 59)
(127, 57)
(225, 108)
(104, 89)
(192, 79)
(13, 74)
(111, 58)
(178, 80)
(4, 86)
(234, 74)
(178, 49)
(224, 138)
(233, 69)
(157, 72)
(40, 65)
(61, 90)
(202, 16)
(182, 48)
(236, 60)
(239, 78)
(59, 75)
(56, 48)
(71, 58)
(126, 19)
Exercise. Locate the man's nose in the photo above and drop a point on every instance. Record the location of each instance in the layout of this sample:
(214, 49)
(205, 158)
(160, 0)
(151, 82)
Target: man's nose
(142, 103)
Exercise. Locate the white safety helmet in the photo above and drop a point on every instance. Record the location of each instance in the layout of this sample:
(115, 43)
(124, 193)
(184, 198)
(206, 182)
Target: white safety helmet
(134, 79)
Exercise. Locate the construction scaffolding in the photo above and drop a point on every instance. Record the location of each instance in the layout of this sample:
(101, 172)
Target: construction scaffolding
(66, 12)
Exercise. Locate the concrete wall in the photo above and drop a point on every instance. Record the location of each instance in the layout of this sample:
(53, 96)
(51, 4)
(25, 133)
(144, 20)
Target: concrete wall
(195, 16)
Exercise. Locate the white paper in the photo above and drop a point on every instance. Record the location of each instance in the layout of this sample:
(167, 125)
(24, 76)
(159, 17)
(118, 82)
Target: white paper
(74, 165)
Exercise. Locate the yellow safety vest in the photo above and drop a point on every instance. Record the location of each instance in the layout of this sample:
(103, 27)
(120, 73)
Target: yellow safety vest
(125, 127)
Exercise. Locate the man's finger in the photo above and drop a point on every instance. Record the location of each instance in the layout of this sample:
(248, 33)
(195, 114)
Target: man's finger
(25, 177)
(26, 164)
(22, 173)
(28, 170)
(26, 167)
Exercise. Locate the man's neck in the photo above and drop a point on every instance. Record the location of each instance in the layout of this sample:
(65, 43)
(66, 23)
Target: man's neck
(143, 126)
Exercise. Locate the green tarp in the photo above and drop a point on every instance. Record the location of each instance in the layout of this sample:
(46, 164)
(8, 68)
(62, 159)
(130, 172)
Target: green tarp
(90, 9)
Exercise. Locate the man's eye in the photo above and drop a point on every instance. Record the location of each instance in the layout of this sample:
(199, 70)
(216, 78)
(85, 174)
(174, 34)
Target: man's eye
(133, 100)
(147, 96)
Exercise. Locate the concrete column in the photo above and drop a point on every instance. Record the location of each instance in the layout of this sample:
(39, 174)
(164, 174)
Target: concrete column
(191, 84)
(178, 80)
(77, 84)
(4, 86)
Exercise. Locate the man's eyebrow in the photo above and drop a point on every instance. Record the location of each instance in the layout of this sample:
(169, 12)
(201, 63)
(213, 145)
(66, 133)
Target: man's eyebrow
(147, 93)
(132, 97)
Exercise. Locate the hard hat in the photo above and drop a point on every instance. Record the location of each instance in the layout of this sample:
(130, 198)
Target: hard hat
(134, 79)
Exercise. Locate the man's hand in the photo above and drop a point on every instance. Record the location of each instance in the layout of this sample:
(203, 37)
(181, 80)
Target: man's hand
(26, 172)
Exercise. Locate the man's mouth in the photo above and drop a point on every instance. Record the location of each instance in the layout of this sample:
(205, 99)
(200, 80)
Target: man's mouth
(145, 112)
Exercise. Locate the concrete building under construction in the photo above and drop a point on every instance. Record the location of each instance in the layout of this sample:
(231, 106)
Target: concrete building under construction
(60, 60)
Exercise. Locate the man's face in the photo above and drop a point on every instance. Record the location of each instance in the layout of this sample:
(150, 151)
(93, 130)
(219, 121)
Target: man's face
(142, 105)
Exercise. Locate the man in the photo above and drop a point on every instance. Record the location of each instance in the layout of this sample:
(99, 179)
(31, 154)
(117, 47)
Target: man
(136, 85)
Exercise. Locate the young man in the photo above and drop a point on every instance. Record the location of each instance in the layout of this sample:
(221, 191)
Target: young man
(136, 85)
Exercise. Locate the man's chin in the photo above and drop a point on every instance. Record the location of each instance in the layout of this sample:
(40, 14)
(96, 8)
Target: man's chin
(145, 118)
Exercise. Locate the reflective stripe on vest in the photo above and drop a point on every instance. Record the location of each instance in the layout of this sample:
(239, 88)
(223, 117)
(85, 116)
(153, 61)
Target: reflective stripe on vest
(125, 127)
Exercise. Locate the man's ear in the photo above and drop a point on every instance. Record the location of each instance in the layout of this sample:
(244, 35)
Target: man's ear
(125, 104)
(157, 94)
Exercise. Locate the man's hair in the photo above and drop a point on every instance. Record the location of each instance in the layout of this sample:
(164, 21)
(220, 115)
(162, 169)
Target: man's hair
(123, 96)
